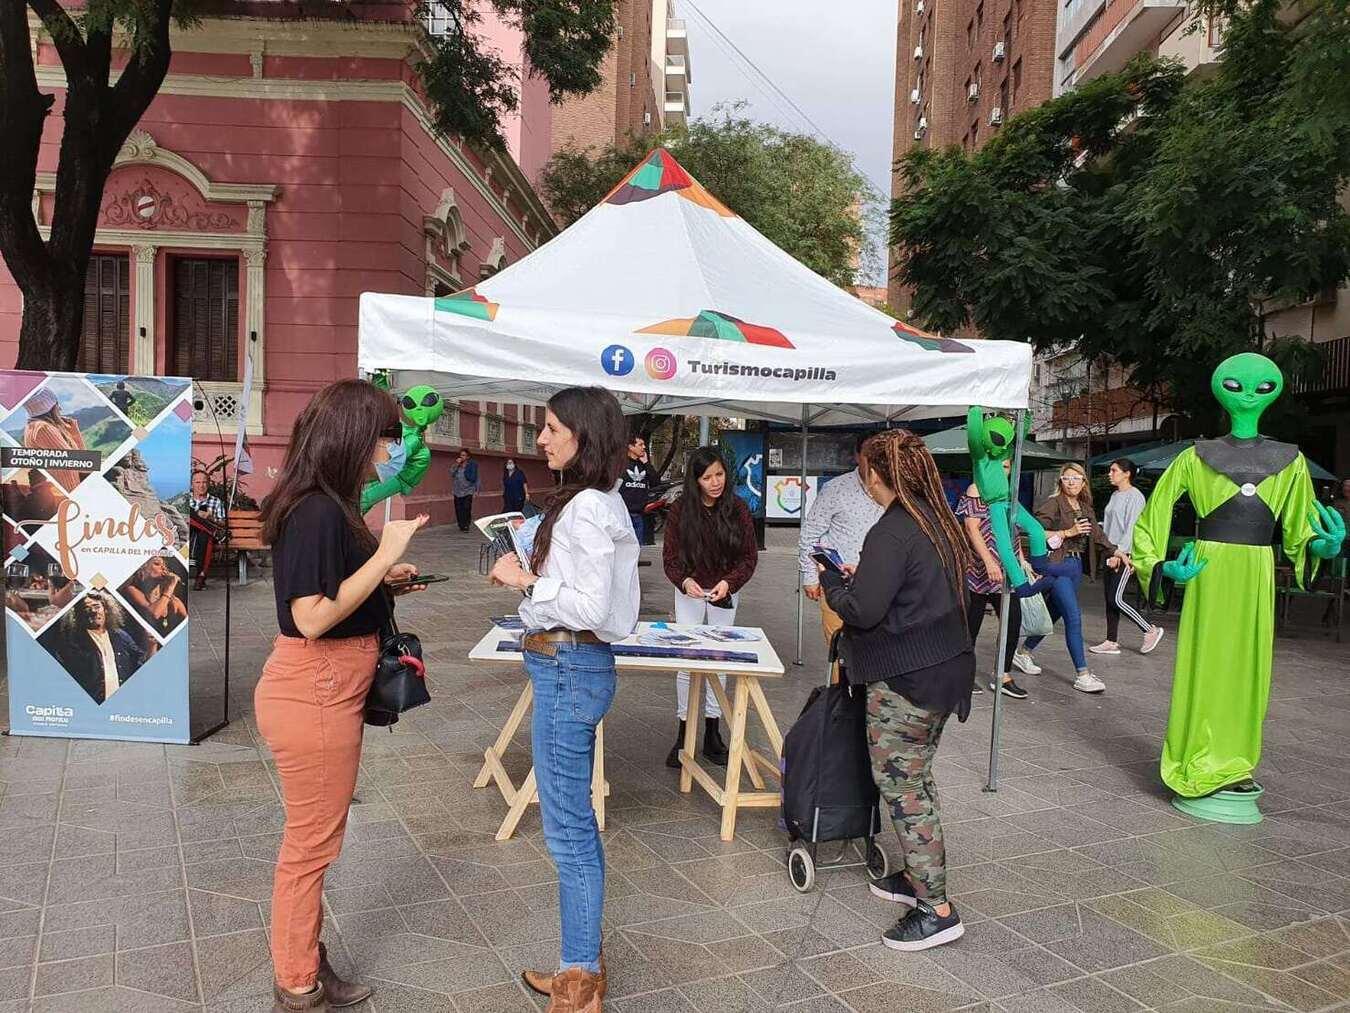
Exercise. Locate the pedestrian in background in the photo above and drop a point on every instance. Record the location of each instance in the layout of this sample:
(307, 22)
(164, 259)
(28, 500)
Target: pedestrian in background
(464, 486)
(329, 580)
(709, 552)
(515, 487)
(984, 581)
(839, 519)
(639, 478)
(581, 595)
(1122, 510)
(905, 639)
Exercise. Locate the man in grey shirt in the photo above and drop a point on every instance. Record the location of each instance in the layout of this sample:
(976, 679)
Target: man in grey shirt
(839, 519)
(1122, 511)
(464, 485)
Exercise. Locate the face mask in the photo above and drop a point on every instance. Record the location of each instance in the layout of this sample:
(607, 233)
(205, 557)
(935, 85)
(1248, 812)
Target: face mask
(510, 466)
(398, 456)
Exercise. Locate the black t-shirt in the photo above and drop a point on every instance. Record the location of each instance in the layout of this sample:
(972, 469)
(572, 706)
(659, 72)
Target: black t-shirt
(636, 489)
(315, 553)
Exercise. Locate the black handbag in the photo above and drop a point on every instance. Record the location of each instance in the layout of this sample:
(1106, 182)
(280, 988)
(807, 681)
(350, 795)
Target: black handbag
(400, 682)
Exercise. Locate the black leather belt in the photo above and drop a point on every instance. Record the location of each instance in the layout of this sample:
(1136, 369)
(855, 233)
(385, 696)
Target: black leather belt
(1235, 528)
(547, 642)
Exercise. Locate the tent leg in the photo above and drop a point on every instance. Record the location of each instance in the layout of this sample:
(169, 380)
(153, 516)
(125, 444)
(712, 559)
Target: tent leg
(704, 430)
(996, 731)
(801, 520)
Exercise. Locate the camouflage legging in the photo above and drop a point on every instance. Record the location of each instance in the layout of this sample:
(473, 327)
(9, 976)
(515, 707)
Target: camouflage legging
(902, 739)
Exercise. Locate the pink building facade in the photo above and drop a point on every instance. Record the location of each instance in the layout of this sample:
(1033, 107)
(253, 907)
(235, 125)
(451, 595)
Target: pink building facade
(286, 166)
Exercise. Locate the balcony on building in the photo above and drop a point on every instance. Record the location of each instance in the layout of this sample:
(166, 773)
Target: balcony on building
(677, 36)
(1334, 376)
(677, 106)
(1123, 29)
(677, 71)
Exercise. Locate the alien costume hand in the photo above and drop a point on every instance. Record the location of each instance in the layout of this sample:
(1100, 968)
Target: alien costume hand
(1328, 531)
(1185, 567)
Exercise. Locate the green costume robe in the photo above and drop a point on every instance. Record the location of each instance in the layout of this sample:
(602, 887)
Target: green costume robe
(1240, 490)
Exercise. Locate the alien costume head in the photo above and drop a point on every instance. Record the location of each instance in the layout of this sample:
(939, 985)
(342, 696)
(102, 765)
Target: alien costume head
(999, 438)
(422, 405)
(1246, 385)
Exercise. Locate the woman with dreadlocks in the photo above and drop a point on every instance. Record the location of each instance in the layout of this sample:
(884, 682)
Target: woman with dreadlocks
(905, 638)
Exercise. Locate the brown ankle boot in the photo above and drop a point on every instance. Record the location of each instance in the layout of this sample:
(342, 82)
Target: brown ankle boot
(542, 981)
(340, 993)
(575, 991)
(310, 1002)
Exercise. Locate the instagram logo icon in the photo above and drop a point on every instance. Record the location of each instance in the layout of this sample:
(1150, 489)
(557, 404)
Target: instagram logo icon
(661, 364)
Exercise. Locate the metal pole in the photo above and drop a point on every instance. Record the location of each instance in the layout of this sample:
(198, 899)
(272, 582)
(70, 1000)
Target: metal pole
(801, 519)
(704, 430)
(1014, 484)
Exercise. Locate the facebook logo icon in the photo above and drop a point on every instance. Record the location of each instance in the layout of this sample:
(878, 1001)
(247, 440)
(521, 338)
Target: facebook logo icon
(616, 360)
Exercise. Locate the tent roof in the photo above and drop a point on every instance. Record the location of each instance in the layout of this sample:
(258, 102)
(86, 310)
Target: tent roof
(951, 443)
(666, 297)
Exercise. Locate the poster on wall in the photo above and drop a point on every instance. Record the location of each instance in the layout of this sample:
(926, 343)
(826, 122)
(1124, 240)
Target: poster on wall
(744, 452)
(94, 475)
(784, 495)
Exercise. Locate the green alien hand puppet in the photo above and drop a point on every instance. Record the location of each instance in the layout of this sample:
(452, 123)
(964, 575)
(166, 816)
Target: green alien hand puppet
(1241, 486)
(408, 463)
(991, 442)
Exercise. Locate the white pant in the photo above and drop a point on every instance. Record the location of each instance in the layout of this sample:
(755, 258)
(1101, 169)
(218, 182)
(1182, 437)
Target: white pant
(697, 612)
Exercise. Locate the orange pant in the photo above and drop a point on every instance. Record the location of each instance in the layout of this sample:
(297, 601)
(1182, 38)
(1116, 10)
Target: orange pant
(309, 707)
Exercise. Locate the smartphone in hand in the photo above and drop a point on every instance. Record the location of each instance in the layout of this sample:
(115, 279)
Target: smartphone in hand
(828, 558)
(417, 581)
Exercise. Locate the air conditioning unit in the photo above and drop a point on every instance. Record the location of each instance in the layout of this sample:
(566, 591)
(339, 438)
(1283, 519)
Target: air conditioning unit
(922, 125)
(996, 116)
(918, 52)
(918, 9)
(973, 92)
(918, 135)
(646, 119)
(1000, 52)
(914, 97)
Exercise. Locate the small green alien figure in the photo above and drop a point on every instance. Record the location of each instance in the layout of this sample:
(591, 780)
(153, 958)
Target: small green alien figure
(990, 442)
(1241, 486)
(421, 406)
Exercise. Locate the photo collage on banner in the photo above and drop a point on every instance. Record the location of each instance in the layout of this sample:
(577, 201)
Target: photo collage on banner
(94, 484)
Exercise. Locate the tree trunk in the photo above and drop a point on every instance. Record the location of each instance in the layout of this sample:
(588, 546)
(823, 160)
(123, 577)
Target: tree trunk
(49, 337)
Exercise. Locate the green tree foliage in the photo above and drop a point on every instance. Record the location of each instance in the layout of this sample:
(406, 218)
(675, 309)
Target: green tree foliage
(803, 194)
(1149, 217)
(468, 85)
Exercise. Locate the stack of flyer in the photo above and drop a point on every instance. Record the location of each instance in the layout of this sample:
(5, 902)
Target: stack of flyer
(511, 532)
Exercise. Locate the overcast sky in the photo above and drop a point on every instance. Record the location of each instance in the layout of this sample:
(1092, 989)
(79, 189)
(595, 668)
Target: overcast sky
(836, 60)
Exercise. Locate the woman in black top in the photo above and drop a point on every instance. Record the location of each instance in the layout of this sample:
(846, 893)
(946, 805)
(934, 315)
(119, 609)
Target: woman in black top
(905, 638)
(329, 573)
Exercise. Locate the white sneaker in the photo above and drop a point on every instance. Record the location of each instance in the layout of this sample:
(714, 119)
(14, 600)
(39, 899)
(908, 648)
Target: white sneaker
(1023, 662)
(1152, 639)
(1088, 683)
(1105, 647)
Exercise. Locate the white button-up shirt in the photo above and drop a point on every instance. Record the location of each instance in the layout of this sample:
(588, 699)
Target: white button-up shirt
(590, 579)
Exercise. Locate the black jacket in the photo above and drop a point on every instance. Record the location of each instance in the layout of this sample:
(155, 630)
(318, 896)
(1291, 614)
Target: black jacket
(903, 616)
(81, 658)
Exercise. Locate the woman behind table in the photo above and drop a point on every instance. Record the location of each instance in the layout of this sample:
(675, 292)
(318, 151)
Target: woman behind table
(1118, 519)
(582, 595)
(905, 638)
(1068, 516)
(984, 581)
(329, 576)
(515, 488)
(709, 553)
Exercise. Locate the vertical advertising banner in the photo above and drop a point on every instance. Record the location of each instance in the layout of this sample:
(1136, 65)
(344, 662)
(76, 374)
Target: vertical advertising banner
(745, 454)
(94, 477)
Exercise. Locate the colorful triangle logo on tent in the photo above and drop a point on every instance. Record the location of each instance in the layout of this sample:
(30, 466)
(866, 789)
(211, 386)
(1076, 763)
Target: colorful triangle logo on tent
(468, 304)
(722, 327)
(659, 173)
(929, 342)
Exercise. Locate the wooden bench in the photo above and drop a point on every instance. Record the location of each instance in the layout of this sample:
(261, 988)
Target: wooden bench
(246, 535)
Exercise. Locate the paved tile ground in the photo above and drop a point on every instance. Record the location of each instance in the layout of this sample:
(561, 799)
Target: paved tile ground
(136, 878)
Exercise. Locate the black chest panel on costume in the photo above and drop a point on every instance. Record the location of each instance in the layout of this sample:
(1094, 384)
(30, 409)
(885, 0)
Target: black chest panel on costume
(1243, 519)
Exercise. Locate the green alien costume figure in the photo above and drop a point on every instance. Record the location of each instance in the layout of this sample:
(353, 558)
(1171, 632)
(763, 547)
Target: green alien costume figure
(991, 442)
(1241, 486)
(421, 406)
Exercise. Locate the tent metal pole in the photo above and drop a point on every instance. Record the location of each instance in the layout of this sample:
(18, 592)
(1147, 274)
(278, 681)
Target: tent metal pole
(801, 520)
(1014, 485)
(704, 430)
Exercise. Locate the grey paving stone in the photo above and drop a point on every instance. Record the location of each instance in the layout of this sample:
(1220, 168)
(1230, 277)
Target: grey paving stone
(164, 970)
(74, 975)
(215, 914)
(77, 943)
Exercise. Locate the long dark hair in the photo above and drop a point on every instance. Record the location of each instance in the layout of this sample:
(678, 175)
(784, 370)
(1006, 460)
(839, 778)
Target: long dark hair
(902, 461)
(710, 536)
(331, 445)
(596, 420)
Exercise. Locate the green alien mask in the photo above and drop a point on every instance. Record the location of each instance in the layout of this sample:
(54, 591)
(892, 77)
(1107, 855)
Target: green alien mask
(1246, 385)
(422, 405)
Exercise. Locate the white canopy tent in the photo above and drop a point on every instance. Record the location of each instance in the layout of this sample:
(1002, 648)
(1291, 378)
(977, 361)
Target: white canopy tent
(664, 296)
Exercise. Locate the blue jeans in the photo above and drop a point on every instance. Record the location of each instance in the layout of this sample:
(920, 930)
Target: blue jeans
(1062, 603)
(639, 526)
(572, 692)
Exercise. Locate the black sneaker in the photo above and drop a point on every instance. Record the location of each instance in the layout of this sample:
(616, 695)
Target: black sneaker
(1011, 689)
(894, 887)
(922, 929)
